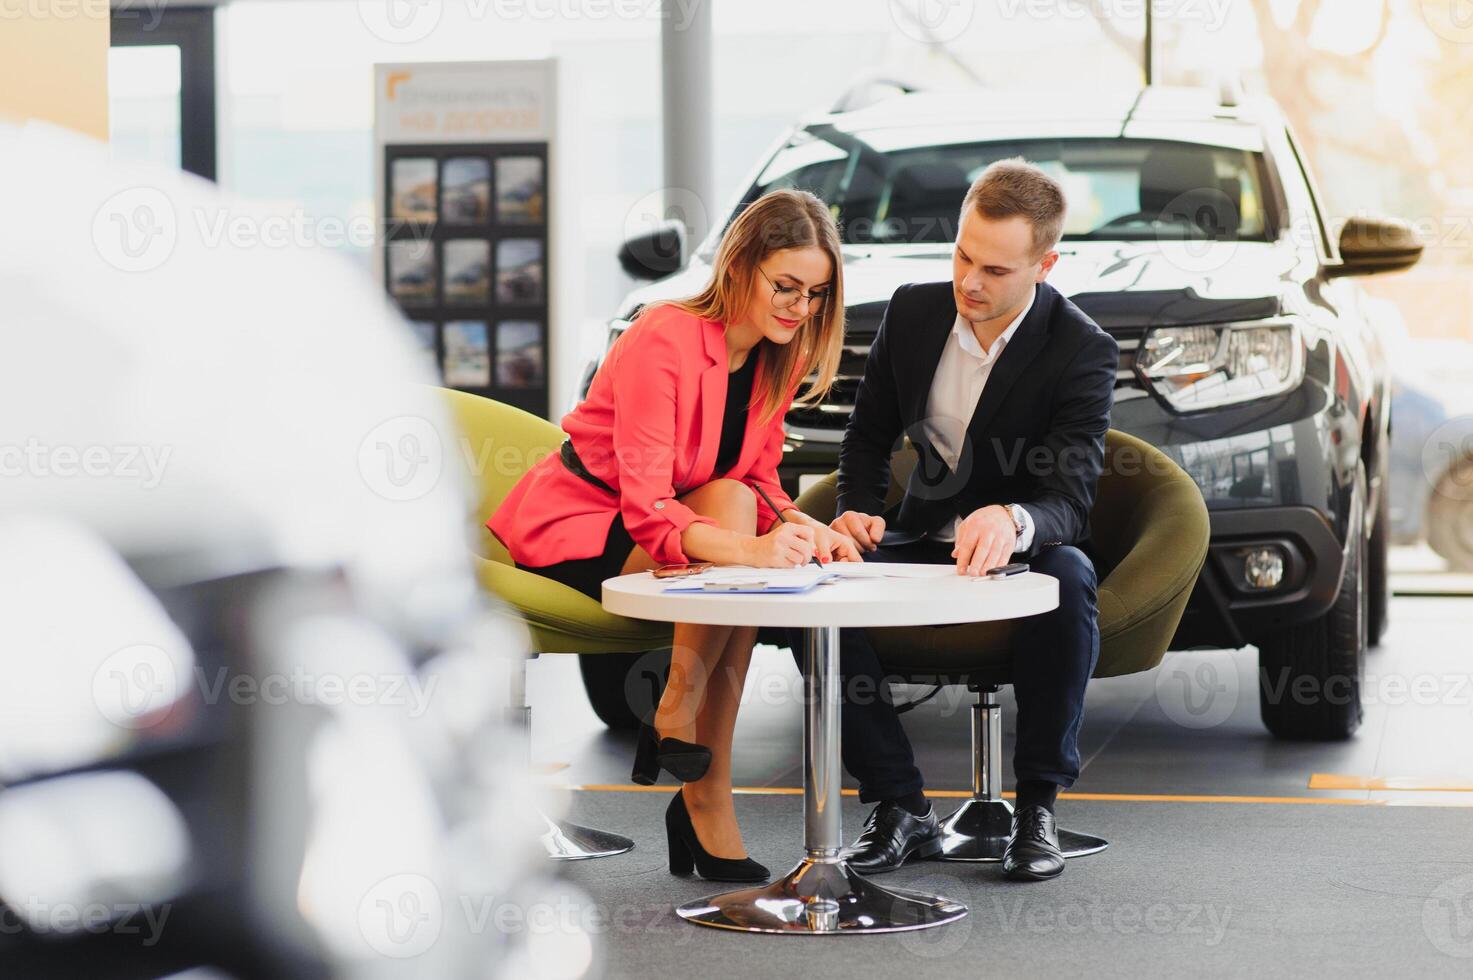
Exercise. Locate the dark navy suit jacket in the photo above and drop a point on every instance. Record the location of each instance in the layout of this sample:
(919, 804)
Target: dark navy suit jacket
(1037, 437)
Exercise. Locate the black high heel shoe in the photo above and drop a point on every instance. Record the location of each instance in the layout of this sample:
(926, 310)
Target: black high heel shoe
(686, 761)
(687, 854)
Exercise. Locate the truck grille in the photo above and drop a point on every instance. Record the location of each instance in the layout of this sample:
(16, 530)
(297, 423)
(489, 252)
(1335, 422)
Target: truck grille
(832, 414)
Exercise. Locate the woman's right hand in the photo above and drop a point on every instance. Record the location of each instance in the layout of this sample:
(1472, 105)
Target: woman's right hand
(785, 546)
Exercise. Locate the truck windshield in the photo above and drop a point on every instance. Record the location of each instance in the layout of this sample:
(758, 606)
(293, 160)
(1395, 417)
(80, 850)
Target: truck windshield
(1117, 188)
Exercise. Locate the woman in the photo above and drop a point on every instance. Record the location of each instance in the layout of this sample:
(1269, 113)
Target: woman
(682, 422)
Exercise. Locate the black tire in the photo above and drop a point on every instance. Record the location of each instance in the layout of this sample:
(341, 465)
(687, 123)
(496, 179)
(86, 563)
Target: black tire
(623, 688)
(1378, 576)
(1450, 516)
(1309, 675)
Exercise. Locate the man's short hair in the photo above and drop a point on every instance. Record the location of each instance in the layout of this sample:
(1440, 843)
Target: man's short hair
(1015, 187)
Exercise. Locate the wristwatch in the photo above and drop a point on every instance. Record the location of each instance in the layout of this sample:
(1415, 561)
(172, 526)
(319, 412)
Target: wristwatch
(1016, 513)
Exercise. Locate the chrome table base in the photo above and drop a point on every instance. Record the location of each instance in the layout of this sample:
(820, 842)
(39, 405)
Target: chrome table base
(979, 831)
(822, 898)
(565, 841)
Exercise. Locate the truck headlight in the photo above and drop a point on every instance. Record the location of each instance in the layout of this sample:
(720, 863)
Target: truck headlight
(1207, 366)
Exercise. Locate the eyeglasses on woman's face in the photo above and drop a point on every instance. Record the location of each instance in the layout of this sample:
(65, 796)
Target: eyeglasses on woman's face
(785, 297)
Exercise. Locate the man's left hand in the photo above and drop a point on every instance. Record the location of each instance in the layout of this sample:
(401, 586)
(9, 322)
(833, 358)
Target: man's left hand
(985, 539)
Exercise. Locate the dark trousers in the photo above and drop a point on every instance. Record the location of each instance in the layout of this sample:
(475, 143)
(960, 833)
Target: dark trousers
(1053, 655)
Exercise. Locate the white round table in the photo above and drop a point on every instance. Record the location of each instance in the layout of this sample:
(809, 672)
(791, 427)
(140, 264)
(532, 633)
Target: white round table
(821, 895)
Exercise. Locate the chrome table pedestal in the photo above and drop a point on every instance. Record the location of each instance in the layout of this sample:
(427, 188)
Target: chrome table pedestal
(980, 828)
(565, 841)
(561, 841)
(821, 896)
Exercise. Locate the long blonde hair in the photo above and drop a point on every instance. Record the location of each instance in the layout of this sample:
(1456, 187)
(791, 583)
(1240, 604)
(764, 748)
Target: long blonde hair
(778, 220)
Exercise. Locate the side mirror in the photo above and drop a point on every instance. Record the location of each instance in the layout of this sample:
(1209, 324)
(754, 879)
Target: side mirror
(656, 253)
(1372, 245)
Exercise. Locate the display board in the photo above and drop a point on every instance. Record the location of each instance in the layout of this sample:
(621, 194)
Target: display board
(463, 163)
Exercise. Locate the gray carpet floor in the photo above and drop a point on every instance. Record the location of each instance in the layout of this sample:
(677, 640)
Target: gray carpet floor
(1185, 889)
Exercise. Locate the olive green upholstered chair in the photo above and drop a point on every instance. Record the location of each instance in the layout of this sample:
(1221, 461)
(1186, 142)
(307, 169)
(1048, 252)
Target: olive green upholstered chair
(1149, 533)
(502, 444)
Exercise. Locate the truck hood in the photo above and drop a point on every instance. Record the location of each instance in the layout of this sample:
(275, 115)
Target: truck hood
(1117, 283)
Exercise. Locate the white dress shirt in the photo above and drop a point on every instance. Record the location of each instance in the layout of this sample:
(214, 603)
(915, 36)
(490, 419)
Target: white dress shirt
(961, 374)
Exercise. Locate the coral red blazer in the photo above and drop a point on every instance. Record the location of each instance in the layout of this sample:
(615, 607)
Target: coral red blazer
(649, 428)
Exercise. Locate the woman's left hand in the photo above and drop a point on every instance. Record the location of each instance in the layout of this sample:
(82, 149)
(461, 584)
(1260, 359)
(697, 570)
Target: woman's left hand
(831, 545)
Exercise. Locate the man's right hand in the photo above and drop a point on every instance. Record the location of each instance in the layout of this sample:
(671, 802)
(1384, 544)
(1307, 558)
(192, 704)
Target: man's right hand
(865, 529)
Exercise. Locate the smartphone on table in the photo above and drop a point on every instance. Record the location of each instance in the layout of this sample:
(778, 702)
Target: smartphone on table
(683, 569)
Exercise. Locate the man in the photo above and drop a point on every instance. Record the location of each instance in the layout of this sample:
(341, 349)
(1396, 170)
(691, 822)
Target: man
(1005, 389)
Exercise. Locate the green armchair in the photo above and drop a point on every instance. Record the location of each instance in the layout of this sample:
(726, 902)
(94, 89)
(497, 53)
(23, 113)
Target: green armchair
(1149, 534)
(502, 443)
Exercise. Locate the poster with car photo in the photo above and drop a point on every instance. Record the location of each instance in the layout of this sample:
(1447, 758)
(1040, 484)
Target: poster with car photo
(521, 360)
(467, 271)
(467, 354)
(412, 271)
(520, 194)
(466, 198)
(519, 270)
(412, 189)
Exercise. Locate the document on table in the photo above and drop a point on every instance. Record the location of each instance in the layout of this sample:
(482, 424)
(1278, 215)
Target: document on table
(773, 579)
(801, 575)
(889, 569)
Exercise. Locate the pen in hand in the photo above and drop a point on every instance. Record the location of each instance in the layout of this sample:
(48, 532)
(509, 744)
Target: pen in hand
(768, 500)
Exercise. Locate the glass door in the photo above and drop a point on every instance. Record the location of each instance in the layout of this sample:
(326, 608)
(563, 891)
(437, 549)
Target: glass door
(161, 86)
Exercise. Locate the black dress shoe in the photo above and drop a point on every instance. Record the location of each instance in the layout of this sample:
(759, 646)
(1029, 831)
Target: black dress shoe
(1033, 851)
(893, 835)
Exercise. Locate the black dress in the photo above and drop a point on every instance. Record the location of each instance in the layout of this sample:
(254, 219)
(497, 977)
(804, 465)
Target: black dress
(587, 574)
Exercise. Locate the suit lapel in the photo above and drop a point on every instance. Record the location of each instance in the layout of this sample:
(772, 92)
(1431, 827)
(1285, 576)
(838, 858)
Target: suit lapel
(932, 341)
(713, 401)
